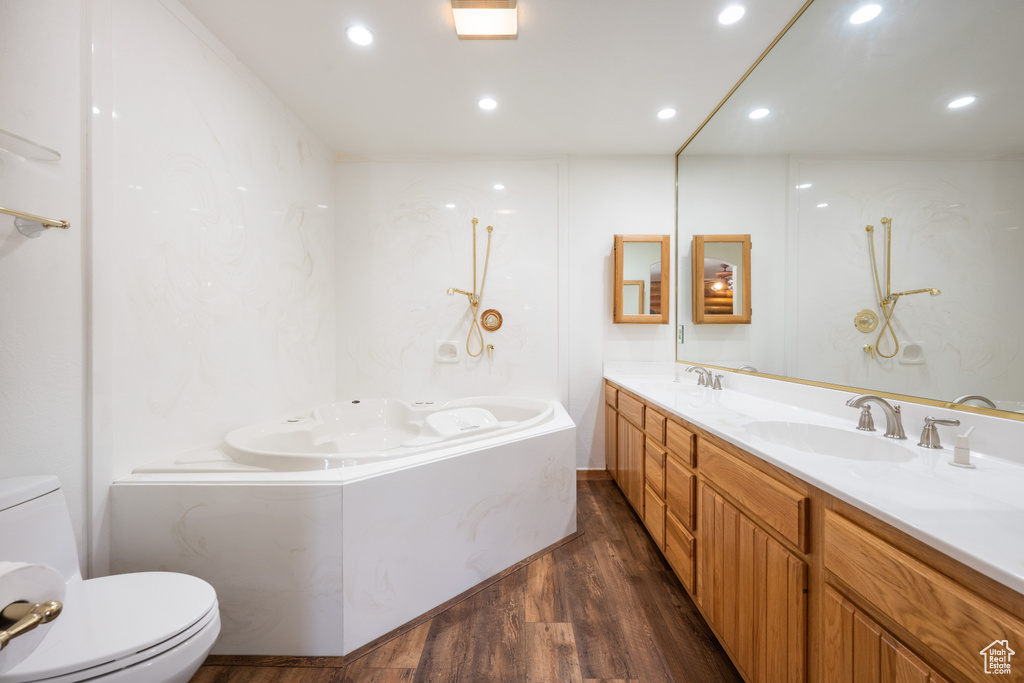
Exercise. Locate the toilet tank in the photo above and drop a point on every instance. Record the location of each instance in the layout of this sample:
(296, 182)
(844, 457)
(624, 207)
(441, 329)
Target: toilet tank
(35, 525)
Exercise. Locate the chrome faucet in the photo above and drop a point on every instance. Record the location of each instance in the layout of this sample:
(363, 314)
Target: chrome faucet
(893, 419)
(704, 375)
(974, 397)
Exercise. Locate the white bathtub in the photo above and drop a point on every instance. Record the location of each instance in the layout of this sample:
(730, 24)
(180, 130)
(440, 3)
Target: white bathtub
(325, 532)
(357, 431)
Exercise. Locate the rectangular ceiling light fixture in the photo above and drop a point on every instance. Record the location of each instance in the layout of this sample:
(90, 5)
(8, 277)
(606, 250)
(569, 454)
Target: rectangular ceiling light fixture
(486, 19)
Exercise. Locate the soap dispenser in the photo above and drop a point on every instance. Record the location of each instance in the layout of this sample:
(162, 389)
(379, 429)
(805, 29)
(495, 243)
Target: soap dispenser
(962, 451)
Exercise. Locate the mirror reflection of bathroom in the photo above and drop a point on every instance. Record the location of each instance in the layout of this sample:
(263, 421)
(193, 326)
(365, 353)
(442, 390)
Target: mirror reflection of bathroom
(641, 270)
(723, 273)
(633, 297)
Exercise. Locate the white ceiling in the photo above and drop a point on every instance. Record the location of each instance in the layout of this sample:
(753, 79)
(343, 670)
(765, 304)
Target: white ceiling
(584, 76)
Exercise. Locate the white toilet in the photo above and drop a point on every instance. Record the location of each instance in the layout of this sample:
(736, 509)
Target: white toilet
(152, 627)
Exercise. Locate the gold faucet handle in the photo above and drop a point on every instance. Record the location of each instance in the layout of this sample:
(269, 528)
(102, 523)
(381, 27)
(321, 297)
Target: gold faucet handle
(26, 616)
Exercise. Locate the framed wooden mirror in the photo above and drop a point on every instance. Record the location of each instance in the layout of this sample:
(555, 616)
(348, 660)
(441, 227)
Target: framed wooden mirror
(721, 279)
(641, 283)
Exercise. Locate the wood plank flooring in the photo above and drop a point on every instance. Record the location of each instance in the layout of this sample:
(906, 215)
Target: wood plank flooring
(602, 608)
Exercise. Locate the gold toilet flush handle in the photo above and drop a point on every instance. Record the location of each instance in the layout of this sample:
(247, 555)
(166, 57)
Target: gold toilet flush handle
(26, 616)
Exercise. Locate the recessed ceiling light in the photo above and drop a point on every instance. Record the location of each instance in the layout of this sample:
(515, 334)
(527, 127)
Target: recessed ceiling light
(321, 206)
(865, 13)
(449, 205)
(961, 102)
(759, 113)
(822, 205)
(487, 103)
(803, 187)
(667, 113)
(360, 35)
(499, 186)
(731, 14)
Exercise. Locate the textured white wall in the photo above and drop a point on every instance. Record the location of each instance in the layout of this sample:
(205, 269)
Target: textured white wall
(41, 310)
(610, 195)
(218, 243)
(399, 249)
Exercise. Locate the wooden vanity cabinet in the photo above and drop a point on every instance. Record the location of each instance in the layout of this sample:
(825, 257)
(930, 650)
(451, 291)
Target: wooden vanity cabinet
(797, 584)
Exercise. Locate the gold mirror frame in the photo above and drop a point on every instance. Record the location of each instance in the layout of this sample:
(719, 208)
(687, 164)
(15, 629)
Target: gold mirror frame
(701, 316)
(618, 311)
(1006, 415)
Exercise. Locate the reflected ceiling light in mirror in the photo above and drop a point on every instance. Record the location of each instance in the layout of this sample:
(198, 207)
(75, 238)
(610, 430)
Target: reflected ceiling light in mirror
(865, 14)
(360, 35)
(822, 205)
(449, 205)
(499, 186)
(667, 113)
(487, 103)
(731, 14)
(961, 102)
(803, 187)
(759, 113)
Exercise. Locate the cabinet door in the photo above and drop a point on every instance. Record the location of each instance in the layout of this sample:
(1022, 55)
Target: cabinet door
(679, 546)
(631, 464)
(679, 490)
(611, 460)
(654, 517)
(753, 591)
(859, 650)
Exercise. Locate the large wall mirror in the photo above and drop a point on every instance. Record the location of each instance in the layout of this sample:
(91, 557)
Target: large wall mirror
(912, 116)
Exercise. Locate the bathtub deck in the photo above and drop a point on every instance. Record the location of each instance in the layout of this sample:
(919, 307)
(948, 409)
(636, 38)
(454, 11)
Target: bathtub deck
(604, 606)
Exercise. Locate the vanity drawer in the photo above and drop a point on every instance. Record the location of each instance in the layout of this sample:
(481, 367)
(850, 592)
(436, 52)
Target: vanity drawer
(654, 516)
(654, 424)
(654, 466)
(680, 487)
(679, 440)
(631, 409)
(679, 547)
(774, 503)
(953, 622)
(610, 394)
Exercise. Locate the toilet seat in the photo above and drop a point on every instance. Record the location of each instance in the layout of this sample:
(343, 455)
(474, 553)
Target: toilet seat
(128, 620)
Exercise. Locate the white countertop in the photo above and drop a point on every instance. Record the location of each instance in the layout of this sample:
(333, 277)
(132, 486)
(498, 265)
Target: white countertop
(975, 516)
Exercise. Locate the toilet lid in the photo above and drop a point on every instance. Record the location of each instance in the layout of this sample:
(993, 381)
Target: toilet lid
(114, 617)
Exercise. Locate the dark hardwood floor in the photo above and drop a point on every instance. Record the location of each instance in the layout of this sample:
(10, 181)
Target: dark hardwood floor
(604, 606)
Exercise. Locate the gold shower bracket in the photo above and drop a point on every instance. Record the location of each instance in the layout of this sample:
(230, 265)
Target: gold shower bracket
(886, 302)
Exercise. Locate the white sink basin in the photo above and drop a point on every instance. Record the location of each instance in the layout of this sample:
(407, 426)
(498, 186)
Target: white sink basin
(831, 441)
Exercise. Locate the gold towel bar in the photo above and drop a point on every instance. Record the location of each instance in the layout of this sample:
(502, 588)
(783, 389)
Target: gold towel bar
(45, 222)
